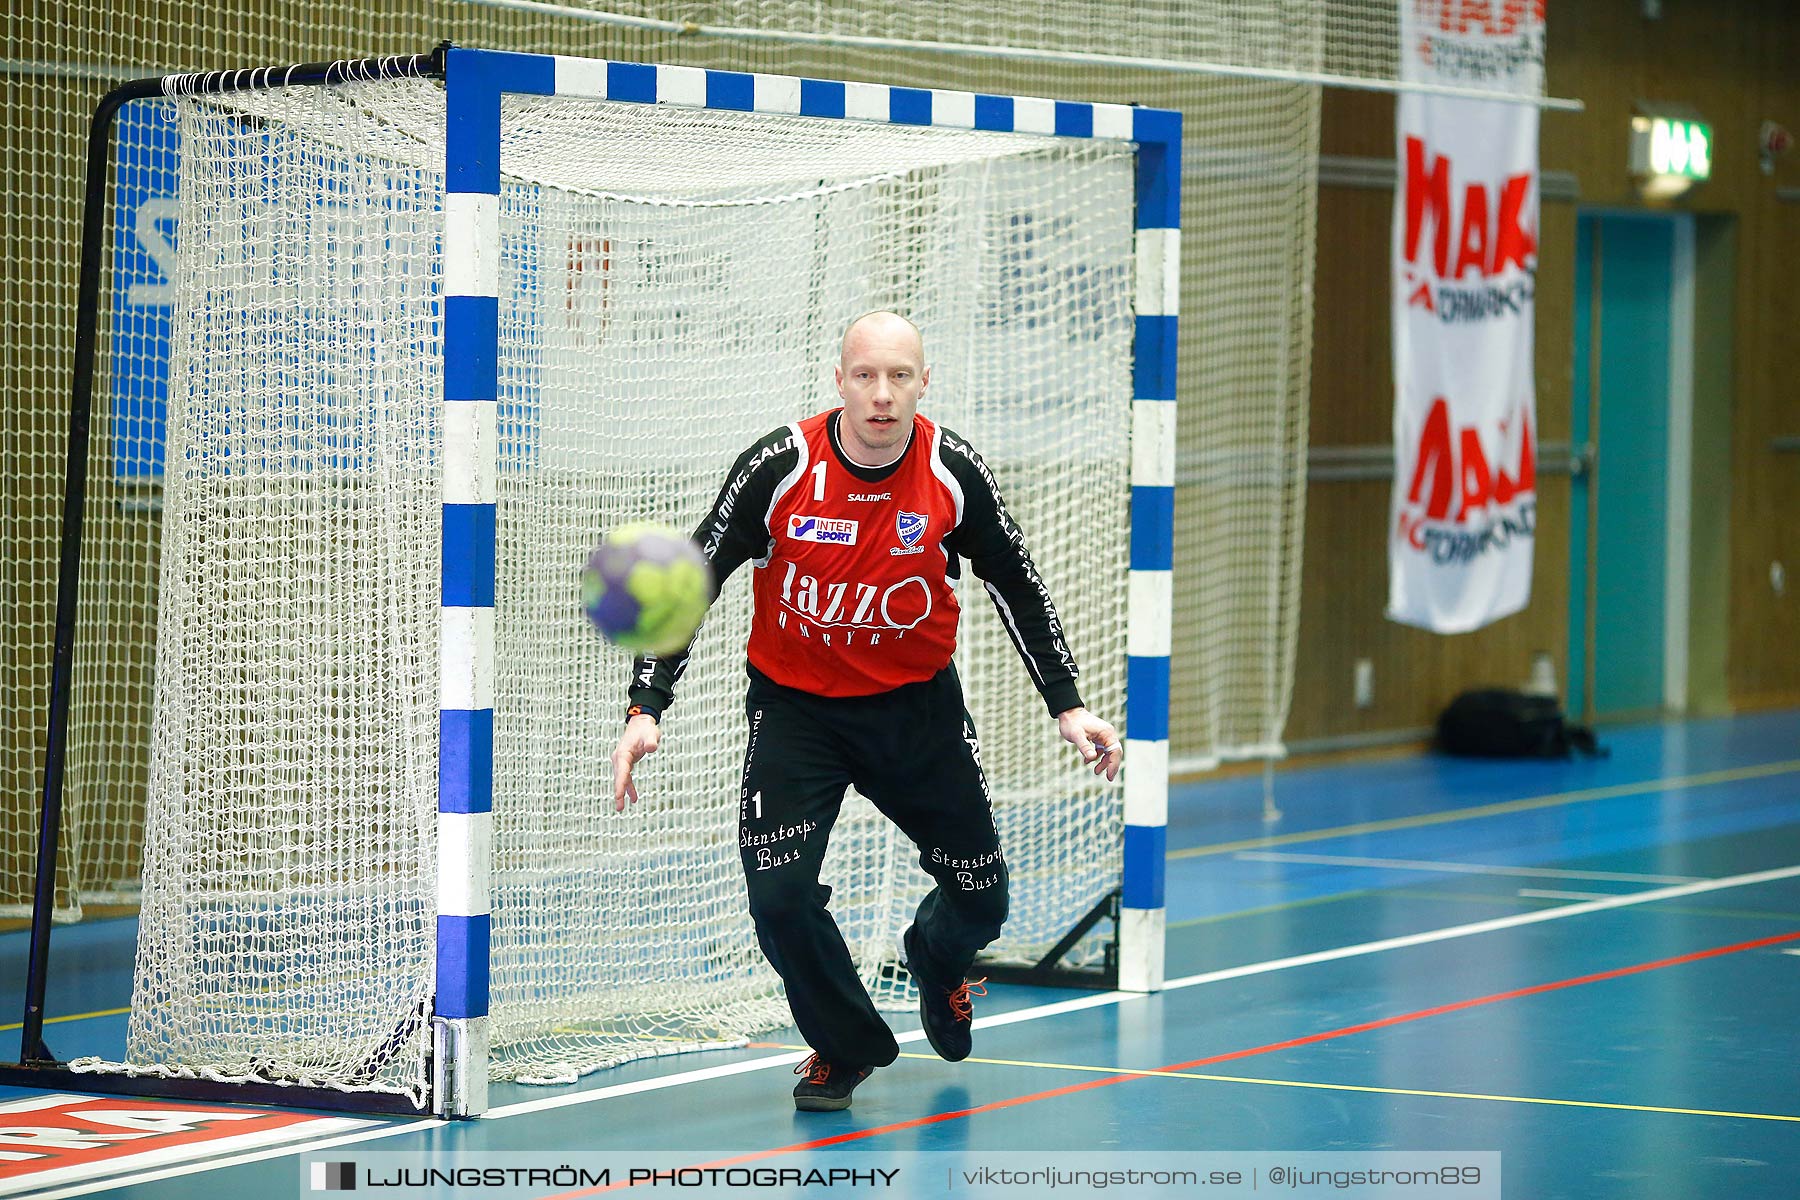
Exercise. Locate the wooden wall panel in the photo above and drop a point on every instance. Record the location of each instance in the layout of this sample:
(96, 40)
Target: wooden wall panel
(1736, 63)
(1764, 656)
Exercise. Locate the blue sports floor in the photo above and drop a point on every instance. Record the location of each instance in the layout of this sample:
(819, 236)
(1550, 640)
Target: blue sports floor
(1591, 967)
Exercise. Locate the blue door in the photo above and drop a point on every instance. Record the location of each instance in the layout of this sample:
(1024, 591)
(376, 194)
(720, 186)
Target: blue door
(1624, 281)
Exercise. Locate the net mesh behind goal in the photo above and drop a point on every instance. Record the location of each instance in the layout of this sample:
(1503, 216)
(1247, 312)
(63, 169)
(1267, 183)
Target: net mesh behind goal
(1247, 249)
(673, 285)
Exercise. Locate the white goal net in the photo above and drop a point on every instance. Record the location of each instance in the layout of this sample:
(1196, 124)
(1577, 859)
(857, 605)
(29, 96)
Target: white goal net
(673, 285)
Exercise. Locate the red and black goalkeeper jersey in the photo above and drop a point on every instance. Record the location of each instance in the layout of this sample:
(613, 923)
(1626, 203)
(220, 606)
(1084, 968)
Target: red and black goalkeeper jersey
(855, 567)
(854, 596)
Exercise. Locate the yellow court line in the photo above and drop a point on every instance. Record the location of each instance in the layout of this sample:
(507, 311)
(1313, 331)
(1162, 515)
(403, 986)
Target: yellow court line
(668, 1038)
(1266, 909)
(1352, 1087)
(1736, 914)
(1492, 810)
(1383, 1091)
(1679, 910)
(105, 1012)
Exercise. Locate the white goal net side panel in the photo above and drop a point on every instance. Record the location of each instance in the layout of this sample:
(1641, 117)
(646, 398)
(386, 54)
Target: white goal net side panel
(287, 921)
(673, 285)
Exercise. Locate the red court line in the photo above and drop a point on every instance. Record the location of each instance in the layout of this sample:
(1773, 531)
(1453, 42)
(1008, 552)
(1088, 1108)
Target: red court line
(1309, 1039)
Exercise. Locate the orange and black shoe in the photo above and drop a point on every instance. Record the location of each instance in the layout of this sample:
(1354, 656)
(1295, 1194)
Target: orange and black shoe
(826, 1086)
(946, 1011)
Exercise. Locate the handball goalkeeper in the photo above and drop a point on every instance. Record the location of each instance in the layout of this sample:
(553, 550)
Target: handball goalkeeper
(858, 521)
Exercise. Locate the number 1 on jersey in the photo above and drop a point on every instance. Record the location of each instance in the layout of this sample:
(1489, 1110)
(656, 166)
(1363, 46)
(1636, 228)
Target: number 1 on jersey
(819, 480)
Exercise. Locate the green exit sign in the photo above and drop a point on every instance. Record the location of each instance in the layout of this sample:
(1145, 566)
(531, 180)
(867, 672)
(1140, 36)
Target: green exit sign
(1671, 148)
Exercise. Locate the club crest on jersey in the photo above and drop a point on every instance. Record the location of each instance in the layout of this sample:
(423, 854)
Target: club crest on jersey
(827, 530)
(911, 527)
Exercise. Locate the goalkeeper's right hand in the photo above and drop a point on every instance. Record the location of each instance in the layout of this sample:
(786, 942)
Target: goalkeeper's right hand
(642, 736)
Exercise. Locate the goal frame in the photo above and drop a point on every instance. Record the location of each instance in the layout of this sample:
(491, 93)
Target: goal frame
(475, 82)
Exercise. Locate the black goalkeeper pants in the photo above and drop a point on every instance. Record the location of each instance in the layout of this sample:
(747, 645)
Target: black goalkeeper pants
(912, 751)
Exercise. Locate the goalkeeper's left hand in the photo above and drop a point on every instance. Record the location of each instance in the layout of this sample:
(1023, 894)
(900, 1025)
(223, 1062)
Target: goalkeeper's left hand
(642, 736)
(1098, 742)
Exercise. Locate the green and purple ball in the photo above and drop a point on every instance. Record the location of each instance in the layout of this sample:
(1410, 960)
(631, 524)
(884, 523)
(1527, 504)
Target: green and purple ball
(646, 588)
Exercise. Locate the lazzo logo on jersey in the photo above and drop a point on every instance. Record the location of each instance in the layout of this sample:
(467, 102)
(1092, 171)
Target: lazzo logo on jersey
(828, 605)
(822, 529)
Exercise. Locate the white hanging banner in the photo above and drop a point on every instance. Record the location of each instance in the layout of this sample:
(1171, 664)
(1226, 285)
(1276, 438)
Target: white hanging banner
(1465, 273)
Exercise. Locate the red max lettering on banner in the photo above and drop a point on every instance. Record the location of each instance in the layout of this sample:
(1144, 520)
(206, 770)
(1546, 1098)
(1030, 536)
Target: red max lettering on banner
(1487, 244)
(1455, 471)
(1513, 242)
(1472, 247)
(1495, 18)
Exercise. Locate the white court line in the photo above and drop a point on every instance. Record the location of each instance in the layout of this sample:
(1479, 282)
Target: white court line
(786, 1058)
(1032, 1014)
(1544, 894)
(1457, 868)
(1517, 919)
(1105, 998)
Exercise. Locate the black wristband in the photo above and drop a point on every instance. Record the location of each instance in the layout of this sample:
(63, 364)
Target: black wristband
(643, 710)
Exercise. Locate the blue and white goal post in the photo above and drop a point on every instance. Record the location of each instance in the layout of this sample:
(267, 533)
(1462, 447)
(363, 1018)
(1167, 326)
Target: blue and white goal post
(475, 83)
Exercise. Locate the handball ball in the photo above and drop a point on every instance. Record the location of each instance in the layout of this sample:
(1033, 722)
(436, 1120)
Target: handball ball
(646, 588)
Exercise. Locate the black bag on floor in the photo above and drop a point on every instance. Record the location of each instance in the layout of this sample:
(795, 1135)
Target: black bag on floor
(1502, 723)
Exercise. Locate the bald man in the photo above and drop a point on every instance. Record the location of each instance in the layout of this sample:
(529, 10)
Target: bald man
(857, 520)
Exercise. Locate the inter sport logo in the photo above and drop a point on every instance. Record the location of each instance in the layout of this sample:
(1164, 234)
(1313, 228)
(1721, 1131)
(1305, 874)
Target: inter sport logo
(822, 529)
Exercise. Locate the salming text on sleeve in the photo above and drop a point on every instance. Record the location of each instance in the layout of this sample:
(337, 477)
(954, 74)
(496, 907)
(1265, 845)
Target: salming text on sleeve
(734, 531)
(991, 540)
